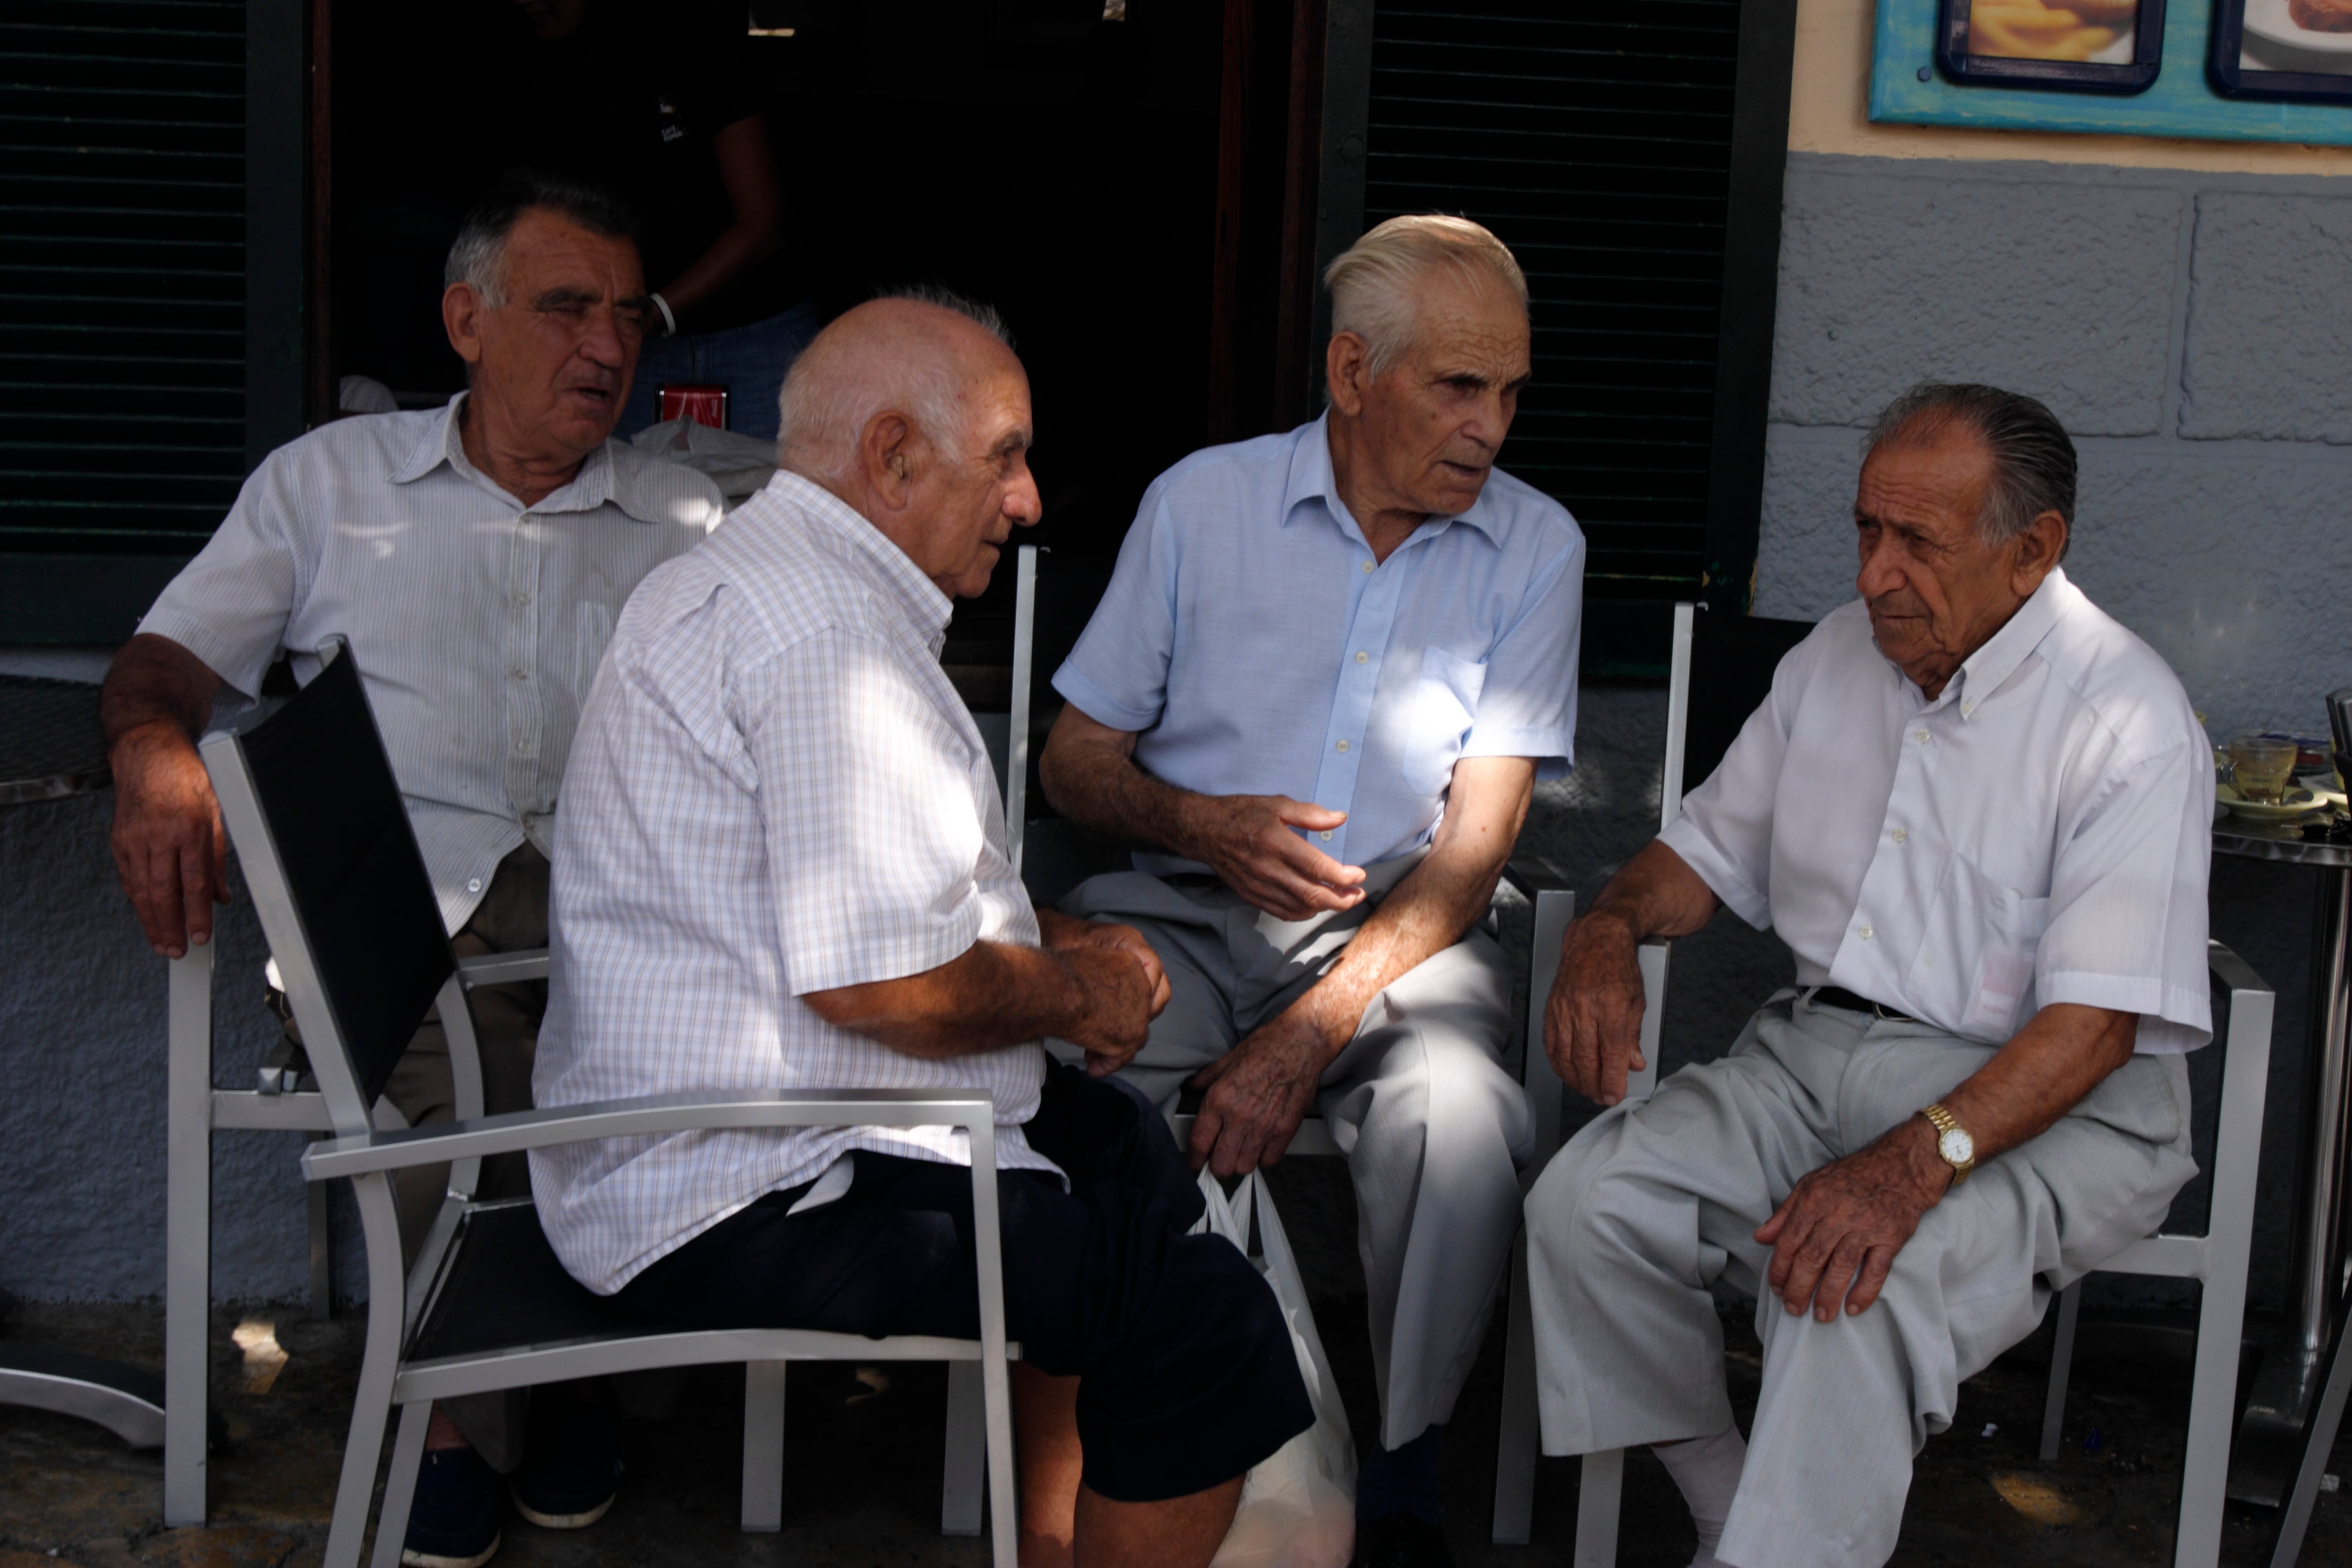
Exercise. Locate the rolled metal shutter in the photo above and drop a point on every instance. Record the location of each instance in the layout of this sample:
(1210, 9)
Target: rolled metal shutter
(1595, 141)
(122, 269)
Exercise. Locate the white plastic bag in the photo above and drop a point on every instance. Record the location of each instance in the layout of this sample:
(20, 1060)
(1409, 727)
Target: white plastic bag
(1298, 1505)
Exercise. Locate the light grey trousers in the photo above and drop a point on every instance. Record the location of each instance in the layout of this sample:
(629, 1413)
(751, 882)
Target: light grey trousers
(1432, 1127)
(1651, 1202)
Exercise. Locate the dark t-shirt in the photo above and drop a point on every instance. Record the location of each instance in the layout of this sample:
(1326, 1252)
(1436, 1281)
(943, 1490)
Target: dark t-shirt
(631, 100)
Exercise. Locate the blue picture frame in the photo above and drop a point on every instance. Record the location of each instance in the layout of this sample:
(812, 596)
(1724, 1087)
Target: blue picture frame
(1907, 88)
(1957, 63)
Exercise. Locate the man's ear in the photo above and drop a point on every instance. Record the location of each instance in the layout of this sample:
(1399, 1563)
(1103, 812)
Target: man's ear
(1347, 363)
(886, 451)
(461, 317)
(2037, 550)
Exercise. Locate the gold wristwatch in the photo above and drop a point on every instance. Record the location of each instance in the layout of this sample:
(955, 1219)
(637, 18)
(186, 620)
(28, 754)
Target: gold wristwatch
(1952, 1143)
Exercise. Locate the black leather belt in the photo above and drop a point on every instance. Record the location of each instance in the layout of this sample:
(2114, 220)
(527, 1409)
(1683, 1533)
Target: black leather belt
(1839, 996)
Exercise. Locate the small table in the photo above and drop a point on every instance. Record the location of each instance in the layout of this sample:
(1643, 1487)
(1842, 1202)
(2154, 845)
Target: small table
(52, 748)
(2278, 1424)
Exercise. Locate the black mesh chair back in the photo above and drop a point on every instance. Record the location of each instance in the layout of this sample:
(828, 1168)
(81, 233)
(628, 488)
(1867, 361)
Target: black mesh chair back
(353, 875)
(1732, 661)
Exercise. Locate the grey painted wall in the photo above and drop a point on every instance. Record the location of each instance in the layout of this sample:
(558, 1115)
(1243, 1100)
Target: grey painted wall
(2193, 330)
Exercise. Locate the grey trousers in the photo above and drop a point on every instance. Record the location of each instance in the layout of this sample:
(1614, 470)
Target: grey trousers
(1432, 1127)
(1653, 1203)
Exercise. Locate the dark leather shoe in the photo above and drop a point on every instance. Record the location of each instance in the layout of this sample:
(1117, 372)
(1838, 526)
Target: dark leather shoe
(454, 1520)
(1400, 1541)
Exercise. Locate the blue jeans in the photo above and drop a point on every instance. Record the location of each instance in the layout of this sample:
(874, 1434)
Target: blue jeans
(749, 361)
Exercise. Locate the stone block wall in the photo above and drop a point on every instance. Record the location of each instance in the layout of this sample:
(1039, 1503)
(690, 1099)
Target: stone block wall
(2194, 332)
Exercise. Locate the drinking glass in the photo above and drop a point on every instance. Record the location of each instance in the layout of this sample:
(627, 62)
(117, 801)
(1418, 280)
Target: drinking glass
(2262, 765)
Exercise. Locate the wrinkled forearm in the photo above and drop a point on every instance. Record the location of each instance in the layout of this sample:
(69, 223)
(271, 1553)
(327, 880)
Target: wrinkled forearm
(2064, 1053)
(993, 996)
(1098, 784)
(154, 680)
(1656, 894)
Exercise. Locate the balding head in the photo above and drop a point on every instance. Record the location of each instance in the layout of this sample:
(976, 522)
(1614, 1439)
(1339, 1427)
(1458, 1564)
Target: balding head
(914, 410)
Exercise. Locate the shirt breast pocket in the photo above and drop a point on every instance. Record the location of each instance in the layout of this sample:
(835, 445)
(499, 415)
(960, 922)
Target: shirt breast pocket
(1976, 964)
(1444, 704)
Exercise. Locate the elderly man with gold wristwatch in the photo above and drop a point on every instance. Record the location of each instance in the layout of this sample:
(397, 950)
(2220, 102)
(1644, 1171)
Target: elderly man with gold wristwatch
(1977, 809)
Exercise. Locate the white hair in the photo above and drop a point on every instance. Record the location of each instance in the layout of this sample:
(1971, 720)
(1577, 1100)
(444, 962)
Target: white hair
(832, 393)
(1374, 283)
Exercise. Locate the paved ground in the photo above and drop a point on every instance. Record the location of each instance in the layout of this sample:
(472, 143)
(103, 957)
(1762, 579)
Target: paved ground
(863, 1465)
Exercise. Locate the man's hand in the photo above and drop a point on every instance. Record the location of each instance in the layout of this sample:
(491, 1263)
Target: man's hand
(1834, 1239)
(169, 845)
(1592, 1021)
(1067, 936)
(1259, 1092)
(1248, 840)
(1121, 999)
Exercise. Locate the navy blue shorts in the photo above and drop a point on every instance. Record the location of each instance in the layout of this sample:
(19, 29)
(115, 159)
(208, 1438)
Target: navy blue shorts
(1187, 1373)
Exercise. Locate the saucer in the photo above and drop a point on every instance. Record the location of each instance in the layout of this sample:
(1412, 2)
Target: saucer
(2299, 802)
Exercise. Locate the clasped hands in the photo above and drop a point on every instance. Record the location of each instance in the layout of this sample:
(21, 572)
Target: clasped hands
(1836, 1236)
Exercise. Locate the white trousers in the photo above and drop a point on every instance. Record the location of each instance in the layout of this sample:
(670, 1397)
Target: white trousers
(1651, 1202)
(1432, 1127)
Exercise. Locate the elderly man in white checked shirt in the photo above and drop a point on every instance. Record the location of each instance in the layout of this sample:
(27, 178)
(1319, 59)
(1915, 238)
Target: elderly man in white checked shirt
(781, 863)
(1978, 811)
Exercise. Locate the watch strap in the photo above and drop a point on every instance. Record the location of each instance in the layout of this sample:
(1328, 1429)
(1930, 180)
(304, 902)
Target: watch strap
(1944, 1121)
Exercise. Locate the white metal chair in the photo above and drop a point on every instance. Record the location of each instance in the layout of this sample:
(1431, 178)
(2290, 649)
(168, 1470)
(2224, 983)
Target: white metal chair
(2217, 1260)
(312, 807)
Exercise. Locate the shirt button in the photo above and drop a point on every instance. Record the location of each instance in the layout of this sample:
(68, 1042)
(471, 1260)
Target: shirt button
(522, 747)
(1343, 745)
(1920, 736)
(1863, 931)
(1327, 836)
(522, 599)
(1968, 708)
(473, 884)
(1369, 564)
(520, 674)
(1900, 837)
(1363, 658)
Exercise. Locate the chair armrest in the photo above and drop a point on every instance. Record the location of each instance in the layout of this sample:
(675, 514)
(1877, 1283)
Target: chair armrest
(503, 968)
(1532, 875)
(971, 1108)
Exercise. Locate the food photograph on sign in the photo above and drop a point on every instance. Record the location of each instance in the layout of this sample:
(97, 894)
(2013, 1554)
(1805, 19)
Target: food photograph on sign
(2091, 31)
(2299, 36)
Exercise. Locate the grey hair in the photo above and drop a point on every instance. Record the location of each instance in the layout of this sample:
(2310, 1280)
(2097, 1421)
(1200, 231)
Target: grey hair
(478, 255)
(2034, 463)
(828, 397)
(1374, 282)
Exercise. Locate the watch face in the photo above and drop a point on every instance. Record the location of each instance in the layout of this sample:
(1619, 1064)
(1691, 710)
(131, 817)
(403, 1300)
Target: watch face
(1957, 1147)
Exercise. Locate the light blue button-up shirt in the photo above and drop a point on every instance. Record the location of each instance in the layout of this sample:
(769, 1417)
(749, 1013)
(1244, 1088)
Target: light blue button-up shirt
(1256, 645)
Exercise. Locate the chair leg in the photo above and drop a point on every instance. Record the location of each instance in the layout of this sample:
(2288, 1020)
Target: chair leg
(764, 1445)
(323, 1255)
(188, 1238)
(964, 1475)
(1598, 1495)
(1003, 1507)
(1515, 1454)
(372, 1404)
(2061, 1366)
(400, 1485)
(2212, 1422)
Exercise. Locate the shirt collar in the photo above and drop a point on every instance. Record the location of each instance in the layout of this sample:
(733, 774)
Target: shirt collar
(596, 483)
(913, 593)
(1988, 669)
(1311, 478)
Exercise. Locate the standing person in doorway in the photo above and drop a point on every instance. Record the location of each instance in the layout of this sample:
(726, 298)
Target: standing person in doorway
(661, 102)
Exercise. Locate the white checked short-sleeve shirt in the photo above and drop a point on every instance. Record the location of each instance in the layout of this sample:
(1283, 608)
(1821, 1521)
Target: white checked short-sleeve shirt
(477, 622)
(2038, 833)
(775, 791)
(1258, 647)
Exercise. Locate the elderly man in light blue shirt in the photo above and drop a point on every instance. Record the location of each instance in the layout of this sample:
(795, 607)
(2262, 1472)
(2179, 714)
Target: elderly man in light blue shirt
(1317, 696)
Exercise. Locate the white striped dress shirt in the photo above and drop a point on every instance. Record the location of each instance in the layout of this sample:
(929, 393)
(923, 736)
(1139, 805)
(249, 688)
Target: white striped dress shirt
(775, 791)
(477, 622)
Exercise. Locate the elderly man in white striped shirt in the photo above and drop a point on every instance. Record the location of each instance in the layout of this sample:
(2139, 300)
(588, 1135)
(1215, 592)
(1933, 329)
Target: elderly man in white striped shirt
(475, 556)
(781, 863)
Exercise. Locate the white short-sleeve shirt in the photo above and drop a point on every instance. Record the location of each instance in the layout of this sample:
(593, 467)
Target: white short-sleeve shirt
(477, 622)
(1250, 637)
(775, 791)
(2038, 833)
